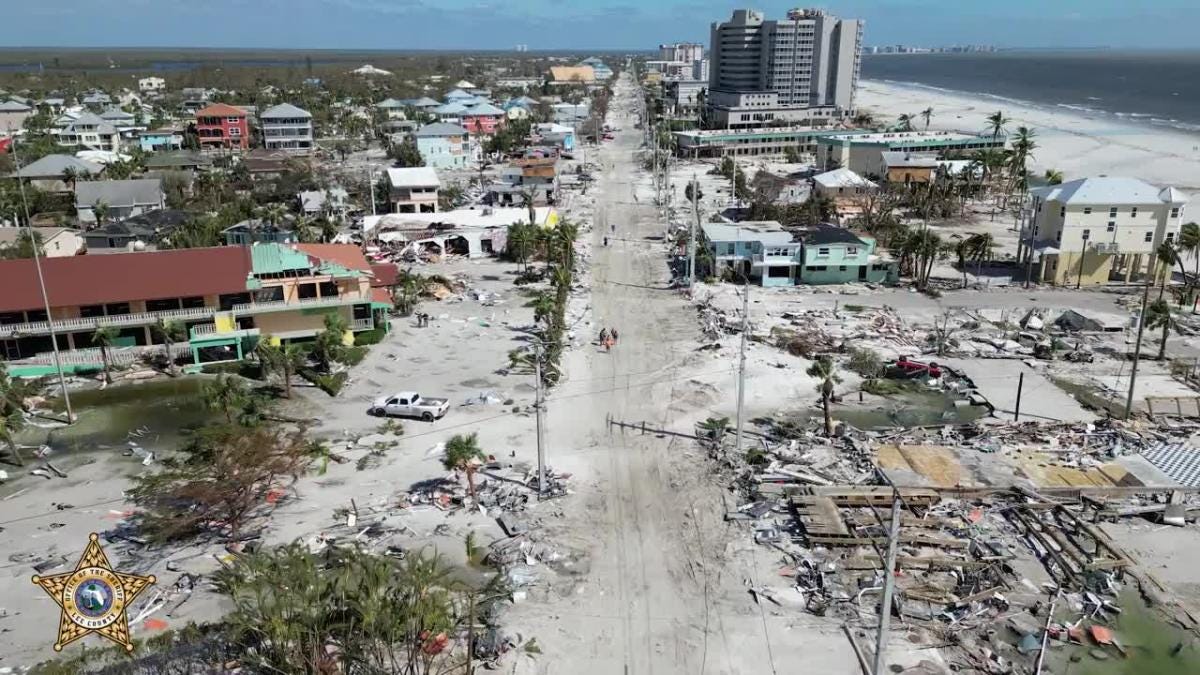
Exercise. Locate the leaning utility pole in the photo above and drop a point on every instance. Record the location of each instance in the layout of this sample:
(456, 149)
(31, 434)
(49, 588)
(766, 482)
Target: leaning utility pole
(37, 265)
(889, 582)
(692, 238)
(1137, 347)
(537, 406)
(741, 394)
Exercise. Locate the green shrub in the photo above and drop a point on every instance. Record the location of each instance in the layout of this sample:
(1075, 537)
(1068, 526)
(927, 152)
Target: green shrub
(353, 356)
(369, 337)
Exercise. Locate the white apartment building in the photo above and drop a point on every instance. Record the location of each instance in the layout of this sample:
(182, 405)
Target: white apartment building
(288, 128)
(681, 51)
(148, 85)
(775, 70)
(1092, 230)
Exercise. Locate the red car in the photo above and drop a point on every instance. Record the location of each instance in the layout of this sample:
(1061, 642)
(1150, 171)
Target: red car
(916, 368)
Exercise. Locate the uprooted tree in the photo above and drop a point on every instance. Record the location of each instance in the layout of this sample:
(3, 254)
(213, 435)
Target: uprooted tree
(225, 476)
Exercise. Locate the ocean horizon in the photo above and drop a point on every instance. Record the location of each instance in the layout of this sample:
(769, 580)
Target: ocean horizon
(1155, 88)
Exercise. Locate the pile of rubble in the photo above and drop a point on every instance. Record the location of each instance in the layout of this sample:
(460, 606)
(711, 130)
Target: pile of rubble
(993, 576)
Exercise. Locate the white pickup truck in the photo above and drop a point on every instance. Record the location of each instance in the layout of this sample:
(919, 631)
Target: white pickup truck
(410, 404)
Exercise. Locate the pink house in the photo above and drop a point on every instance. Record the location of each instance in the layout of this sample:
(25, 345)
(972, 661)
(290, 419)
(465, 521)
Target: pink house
(482, 119)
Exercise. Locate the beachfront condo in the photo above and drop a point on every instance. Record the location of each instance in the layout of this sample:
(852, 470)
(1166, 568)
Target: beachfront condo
(801, 69)
(1095, 230)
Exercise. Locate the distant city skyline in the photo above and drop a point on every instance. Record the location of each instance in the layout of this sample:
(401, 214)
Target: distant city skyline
(579, 24)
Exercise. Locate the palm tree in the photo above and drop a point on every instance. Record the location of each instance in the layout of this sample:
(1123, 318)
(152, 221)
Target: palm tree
(1169, 257)
(826, 372)
(329, 344)
(462, 454)
(170, 332)
(962, 249)
(101, 211)
(981, 247)
(905, 122)
(70, 176)
(408, 290)
(996, 123)
(12, 413)
(1053, 177)
(864, 119)
(227, 394)
(520, 237)
(1023, 146)
(529, 197)
(543, 307)
(1158, 315)
(104, 338)
(284, 360)
(1189, 242)
(928, 115)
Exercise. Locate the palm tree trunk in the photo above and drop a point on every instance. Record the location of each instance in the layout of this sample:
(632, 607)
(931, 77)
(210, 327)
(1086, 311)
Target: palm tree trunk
(16, 452)
(471, 483)
(287, 381)
(104, 358)
(828, 417)
(1162, 345)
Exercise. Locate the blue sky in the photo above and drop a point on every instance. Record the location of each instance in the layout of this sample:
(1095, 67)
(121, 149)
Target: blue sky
(574, 24)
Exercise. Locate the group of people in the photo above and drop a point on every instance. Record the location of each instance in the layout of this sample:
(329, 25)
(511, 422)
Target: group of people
(422, 319)
(608, 338)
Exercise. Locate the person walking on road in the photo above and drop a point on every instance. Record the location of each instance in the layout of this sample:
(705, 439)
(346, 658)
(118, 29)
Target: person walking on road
(614, 334)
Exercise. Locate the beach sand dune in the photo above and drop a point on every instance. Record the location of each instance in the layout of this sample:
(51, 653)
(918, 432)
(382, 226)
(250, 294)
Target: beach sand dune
(1077, 143)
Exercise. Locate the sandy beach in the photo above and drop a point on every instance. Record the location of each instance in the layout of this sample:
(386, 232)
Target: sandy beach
(1078, 144)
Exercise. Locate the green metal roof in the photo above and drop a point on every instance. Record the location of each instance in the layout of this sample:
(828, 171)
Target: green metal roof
(277, 259)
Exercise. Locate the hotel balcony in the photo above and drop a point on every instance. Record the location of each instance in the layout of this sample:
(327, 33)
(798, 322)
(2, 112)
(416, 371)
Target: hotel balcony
(116, 321)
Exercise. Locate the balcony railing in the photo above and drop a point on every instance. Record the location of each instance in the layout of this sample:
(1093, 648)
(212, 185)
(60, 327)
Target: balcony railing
(278, 305)
(362, 324)
(116, 321)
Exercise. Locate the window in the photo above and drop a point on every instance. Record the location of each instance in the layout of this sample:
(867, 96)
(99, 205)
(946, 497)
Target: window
(1170, 237)
(823, 251)
(815, 268)
(232, 120)
(1087, 210)
(1062, 212)
(1133, 212)
(1148, 238)
(1112, 212)
(841, 268)
(851, 250)
(1175, 212)
(1112, 226)
(306, 291)
(1087, 234)
(235, 131)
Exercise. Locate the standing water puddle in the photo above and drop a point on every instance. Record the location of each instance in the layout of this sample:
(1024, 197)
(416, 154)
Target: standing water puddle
(1154, 647)
(153, 415)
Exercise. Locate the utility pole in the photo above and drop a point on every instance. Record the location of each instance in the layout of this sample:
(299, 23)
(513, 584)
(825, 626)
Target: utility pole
(741, 394)
(889, 582)
(37, 265)
(537, 406)
(692, 239)
(1020, 386)
(1137, 347)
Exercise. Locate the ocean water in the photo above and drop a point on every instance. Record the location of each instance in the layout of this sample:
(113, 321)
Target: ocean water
(1159, 88)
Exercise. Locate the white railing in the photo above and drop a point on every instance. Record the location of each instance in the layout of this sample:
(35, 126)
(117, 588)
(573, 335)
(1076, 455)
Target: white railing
(204, 329)
(119, 320)
(362, 324)
(272, 305)
(117, 356)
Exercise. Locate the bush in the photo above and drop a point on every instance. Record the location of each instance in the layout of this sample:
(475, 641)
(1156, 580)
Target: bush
(866, 363)
(353, 356)
(369, 337)
(330, 384)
